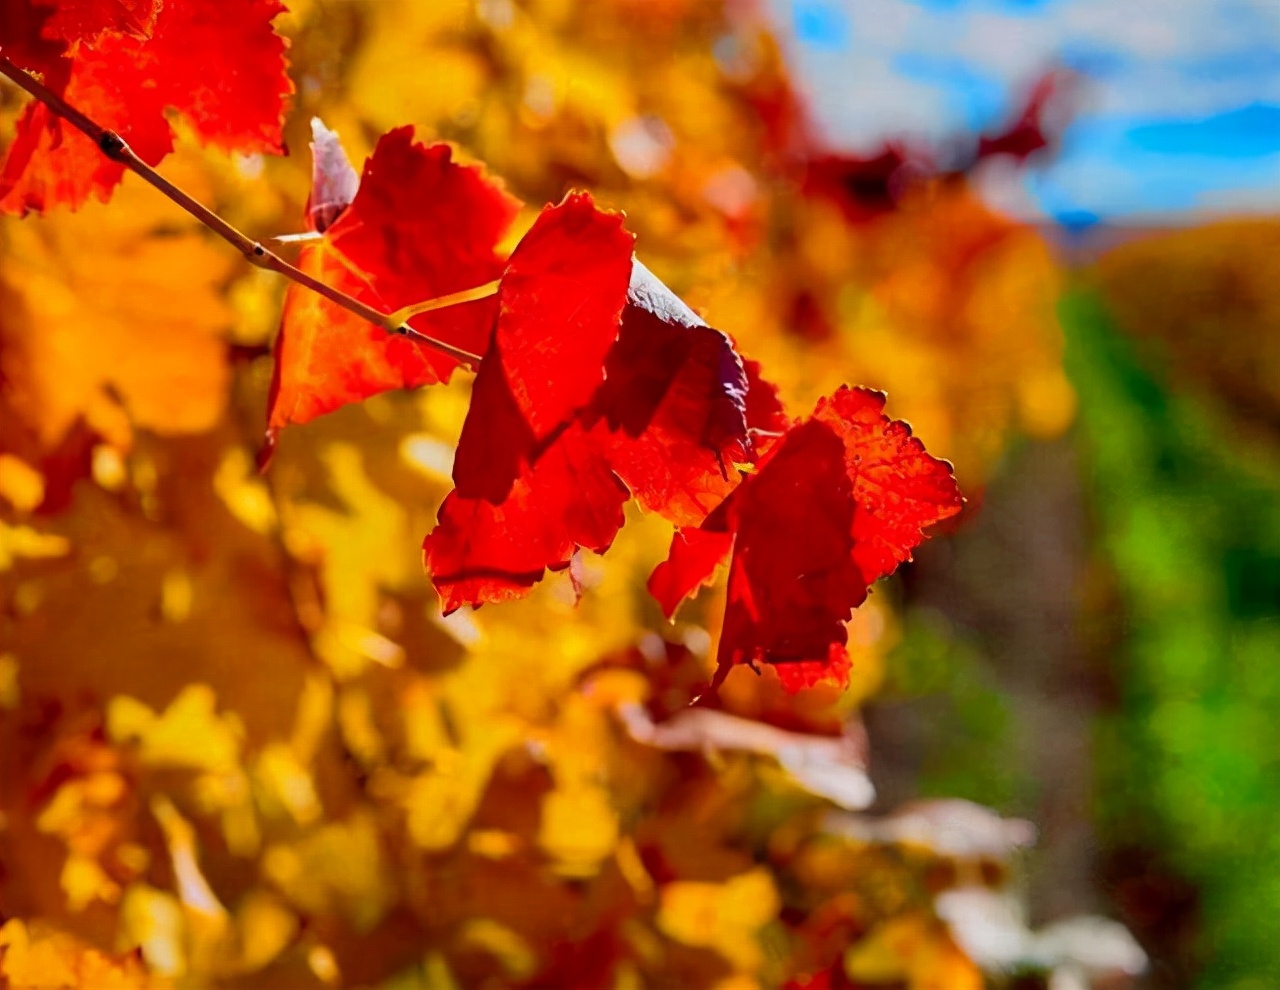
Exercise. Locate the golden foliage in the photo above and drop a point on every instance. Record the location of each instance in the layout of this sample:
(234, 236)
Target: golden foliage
(239, 746)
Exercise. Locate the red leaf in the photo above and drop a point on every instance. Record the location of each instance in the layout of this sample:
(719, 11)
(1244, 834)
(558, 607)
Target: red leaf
(125, 82)
(37, 36)
(671, 415)
(1032, 130)
(840, 501)
(793, 581)
(690, 563)
(664, 423)
(420, 226)
(24, 42)
(560, 302)
(87, 20)
(562, 296)
(899, 487)
(481, 552)
(766, 419)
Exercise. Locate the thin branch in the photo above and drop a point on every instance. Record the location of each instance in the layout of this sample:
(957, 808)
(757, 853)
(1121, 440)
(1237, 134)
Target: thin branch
(117, 149)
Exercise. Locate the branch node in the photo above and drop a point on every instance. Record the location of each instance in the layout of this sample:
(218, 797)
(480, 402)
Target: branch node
(114, 147)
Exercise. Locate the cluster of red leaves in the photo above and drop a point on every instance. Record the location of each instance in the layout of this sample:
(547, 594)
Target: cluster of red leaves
(838, 502)
(598, 385)
(124, 63)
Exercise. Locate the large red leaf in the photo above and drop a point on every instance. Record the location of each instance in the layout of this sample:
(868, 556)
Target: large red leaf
(658, 413)
(691, 562)
(569, 498)
(126, 79)
(37, 35)
(671, 416)
(421, 226)
(87, 20)
(560, 302)
(838, 502)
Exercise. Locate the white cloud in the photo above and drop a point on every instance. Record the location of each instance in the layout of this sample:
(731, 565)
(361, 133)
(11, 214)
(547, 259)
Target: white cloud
(1179, 59)
(1157, 39)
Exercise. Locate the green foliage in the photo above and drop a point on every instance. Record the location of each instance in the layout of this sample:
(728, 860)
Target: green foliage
(969, 752)
(1188, 517)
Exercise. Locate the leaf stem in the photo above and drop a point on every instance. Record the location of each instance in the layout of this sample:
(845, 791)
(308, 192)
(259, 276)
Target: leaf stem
(442, 302)
(117, 149)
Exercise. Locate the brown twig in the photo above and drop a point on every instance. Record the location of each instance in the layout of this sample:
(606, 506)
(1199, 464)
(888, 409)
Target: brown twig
(117, 149)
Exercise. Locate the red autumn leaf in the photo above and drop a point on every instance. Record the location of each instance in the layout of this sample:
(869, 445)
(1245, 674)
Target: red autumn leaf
(672, 414)
(37, 35)
(1034, 128)
(532, 487)
(766, 419)
(840, 501)
(420, 226)
(560, 301)
(87, 20)
(691, 562)
(654, 402)
(569, 498)
(126, 80)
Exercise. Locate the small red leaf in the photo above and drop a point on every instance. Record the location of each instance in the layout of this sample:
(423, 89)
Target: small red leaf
(665, 423)
(560, 301)
(898, 486)
(562, 296)
(793, 581)
(672, 411)
(420, 226)
(569, 499)
(838, 502)
(691, 562)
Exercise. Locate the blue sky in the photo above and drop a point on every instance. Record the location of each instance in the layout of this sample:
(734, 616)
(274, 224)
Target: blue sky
(1179, 115)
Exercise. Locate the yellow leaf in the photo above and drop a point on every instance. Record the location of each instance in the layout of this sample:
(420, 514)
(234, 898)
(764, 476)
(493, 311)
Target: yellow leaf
(20, 484)
(515, 954)
(365, 547)
(84, 881)
(579, 829)
(152, 920)
(338, 866)
(726, 917)
(23, 541)
(128, 332)
(286, 783)
(189, 733)
(265, 927)
(35, 956)
(243, 492)
(915, 948)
